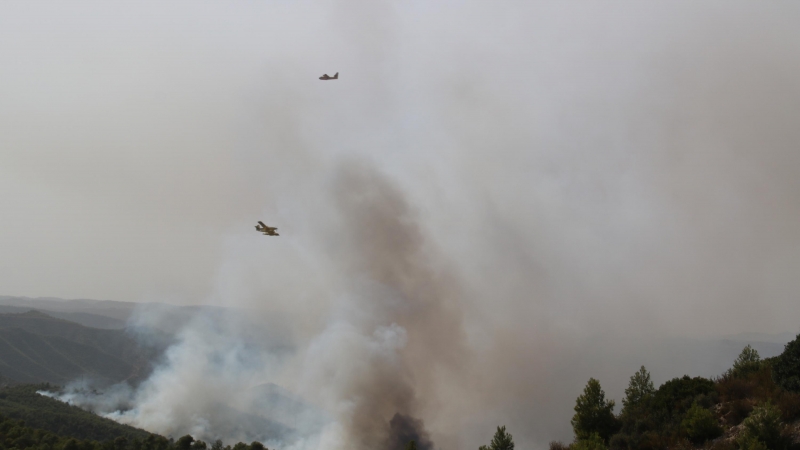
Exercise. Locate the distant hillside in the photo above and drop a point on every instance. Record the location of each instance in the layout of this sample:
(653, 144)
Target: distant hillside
(36, 348)
(110, 314)
(155, 318)
(120, 311)
(83, 318)
(38, 411)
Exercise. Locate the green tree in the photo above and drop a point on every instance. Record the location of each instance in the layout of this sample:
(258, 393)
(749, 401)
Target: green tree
(746, 363)
(763, 425)
(639, 388)
(593, 442)
(786, 368)
(71, 444)
(700, 424)
(412, 445)
(593, 414)
(184, 442)
(120, 443)
(502, 440)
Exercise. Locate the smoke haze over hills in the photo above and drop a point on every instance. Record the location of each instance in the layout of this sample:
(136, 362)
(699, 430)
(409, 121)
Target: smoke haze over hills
(493, 203)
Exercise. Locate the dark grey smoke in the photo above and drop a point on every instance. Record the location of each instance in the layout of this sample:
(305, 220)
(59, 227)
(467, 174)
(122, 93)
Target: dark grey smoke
(405, 429)
(402, 289)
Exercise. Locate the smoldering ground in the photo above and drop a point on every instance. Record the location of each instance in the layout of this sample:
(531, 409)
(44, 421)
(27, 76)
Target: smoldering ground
(565, 187)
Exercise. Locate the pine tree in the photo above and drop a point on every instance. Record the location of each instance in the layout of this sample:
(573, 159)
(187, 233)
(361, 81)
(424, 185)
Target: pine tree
(638, 389)
(786, 368)
(593, 414)
(501, 441)
(746, 363)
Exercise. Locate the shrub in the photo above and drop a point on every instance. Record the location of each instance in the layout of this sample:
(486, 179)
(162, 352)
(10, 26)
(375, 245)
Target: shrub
(675, 396)
(184, 442)
(786, 368)
(764, 425)
(700, 424)
(751, 443)
(736, 411)
(722, 444)
(735, 389)
(558, 445)
(789, 404)
(592, 442)
(621, 441)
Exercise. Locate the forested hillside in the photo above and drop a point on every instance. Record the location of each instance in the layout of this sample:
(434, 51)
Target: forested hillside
(38, 411)
(755, 405)
(30, 420)
(36, 348)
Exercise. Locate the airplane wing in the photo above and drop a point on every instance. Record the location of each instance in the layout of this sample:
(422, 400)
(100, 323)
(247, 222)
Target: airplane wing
(262, 224)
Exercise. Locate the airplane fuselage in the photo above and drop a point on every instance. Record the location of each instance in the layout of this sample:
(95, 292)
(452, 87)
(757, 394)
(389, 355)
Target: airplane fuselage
(267, 231)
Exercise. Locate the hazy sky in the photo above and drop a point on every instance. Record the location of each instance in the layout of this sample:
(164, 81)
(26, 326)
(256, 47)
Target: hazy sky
(617, 167)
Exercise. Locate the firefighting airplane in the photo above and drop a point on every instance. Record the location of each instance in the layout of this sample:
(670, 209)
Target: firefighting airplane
(268, 231)
(326, 77)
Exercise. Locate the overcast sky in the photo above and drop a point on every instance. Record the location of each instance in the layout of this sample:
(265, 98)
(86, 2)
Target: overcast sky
(604, 167)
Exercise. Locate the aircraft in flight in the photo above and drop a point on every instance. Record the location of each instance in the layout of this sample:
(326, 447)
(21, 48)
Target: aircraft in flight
(326, 77)
(268, 231)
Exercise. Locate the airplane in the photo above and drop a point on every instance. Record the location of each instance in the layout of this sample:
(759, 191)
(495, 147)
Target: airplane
(268, 231)
(326, 77)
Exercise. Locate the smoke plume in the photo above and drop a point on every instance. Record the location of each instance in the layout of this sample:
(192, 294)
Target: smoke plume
(493, 203)
(400, 299)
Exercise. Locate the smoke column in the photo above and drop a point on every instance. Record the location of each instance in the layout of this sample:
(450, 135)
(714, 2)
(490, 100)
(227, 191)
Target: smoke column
(494, 202)
(399, 326)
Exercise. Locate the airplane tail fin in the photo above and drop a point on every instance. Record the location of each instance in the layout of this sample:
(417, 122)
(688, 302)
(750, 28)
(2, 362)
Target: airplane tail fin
(336, 76)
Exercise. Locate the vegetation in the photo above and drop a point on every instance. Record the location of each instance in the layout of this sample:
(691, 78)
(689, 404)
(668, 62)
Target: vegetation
(51, 425)
(755, 405)
(786, 368)
(23, 403)
(700, 424)
(593, 414)
(764, 426)
(593, 442)
(639, 389)
(37, 348)
(15, 434)
(502, 440)
(748, 362)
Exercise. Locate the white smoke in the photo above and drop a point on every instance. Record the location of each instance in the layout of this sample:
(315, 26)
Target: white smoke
(554, 188)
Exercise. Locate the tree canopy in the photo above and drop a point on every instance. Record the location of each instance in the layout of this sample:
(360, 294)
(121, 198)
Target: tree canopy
(786, 368)
(594, 414)
(502, 440)
(746, 363)
(639, 388)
